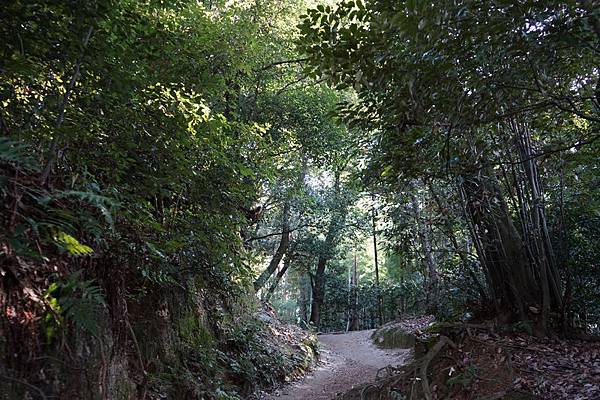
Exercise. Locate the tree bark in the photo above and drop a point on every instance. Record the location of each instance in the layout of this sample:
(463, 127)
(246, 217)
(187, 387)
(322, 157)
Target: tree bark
(305, 292)
(374, 232)
(508, 271)
(536, 228)
(353, 320)
(423, 234)
(286, 265)
(281, 249)
(338, 219)
(318, 290)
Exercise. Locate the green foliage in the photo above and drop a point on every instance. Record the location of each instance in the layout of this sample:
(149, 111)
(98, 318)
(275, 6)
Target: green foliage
(453, 82)
(71, 245)
(105, 205)
(73, 299)
(138, 139)
(17, 155)
(134, 137)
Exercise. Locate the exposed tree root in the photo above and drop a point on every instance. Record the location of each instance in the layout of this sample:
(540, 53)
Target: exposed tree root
(479, 362)
(442, 341)
(26, 384)
(426, 377)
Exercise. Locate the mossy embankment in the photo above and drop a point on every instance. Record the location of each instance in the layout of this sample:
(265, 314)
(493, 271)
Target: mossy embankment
(189, 342)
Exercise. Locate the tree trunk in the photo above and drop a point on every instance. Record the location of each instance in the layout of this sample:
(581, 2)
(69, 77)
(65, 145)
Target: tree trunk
(563, 255)
(510, 275)
(374, 231)
(423, 233)
(281, 249)
(286, 265)
(318, 292)
(338, 219)
(536, 229)
(449, 232)
(305, 292)
(353, 320)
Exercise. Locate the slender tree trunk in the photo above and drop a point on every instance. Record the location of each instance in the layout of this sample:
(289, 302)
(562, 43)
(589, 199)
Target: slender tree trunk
(448, 230)
(305, 292)
(286, 265)
(277, 279)
(53, 154)
(378, 288)
(423, 233)
(353, 321)
(478, 244)
(563, 255)
(537, 235)
(281, 249)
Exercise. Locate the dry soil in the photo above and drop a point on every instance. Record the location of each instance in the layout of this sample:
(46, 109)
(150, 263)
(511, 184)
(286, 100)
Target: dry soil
(347, 360)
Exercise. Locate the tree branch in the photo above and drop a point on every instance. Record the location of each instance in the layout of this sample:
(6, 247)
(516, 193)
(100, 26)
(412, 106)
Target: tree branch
(268, 235)
(283, 62)
(62, 108)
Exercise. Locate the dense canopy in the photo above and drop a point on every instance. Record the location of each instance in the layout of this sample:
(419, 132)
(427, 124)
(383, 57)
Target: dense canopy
(175, 173)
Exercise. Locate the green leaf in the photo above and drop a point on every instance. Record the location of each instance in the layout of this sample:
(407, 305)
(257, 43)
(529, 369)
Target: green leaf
(71, 245)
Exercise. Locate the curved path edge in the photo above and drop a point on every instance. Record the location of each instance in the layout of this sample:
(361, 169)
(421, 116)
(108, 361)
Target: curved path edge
(347, 360)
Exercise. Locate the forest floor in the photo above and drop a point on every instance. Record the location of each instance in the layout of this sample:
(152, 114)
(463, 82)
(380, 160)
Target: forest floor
(347, 360)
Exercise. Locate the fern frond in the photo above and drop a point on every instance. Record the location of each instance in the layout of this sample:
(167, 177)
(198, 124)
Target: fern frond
(76, 300)
(17, 155)
(102, 203)
(71, 245)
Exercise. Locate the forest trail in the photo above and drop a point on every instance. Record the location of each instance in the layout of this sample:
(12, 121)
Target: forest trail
(347, 360)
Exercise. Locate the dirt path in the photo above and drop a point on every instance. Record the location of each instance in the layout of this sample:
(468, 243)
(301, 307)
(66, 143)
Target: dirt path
(347, 360)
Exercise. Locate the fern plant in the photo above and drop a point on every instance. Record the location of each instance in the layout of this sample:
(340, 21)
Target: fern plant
(62, 223)
(74, 299)
(102, 203)
(17, 155)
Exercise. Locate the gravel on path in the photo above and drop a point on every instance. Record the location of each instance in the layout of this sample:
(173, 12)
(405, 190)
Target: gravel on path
(347, 360)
